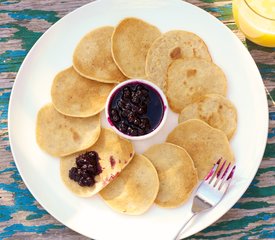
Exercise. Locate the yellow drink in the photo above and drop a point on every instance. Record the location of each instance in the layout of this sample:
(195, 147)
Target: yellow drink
(256, 19)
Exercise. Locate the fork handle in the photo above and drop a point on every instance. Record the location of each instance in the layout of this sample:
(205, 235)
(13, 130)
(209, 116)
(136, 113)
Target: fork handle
(177, 237)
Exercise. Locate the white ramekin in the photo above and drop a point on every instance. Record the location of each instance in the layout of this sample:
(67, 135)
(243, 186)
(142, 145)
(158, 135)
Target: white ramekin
(165, 109)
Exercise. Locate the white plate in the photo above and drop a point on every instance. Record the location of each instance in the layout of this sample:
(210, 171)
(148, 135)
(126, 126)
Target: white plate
(53, 52)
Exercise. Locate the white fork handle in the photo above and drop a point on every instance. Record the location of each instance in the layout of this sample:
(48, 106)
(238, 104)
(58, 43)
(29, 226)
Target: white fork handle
(177, 237)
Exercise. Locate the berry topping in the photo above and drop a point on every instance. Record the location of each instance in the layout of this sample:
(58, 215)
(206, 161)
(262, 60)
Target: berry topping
(87, 167)
(136, 109)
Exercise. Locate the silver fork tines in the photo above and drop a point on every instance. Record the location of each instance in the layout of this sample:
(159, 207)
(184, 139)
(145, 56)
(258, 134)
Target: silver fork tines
(211, 190)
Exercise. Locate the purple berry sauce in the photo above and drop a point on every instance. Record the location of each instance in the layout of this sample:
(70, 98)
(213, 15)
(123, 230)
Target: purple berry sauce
(136, 109)
(87, 168)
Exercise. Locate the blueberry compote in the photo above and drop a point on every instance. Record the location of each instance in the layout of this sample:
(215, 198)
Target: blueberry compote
(136, 109)
(87, 168)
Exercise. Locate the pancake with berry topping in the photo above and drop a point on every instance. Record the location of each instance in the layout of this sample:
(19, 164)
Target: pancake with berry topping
(86, 173)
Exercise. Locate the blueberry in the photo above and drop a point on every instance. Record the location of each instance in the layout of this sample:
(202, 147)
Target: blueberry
(144, 100)
(131, 117)
(126, 89)
(79, 162)
(115, 118)
(142, 110)
(77, 177)
(84, 167)
(138, 93)
(139, 87)
(148, 126)
(128, 106)
(134, 132)
(137, 122)
(114, 112)
(84, 173)
(90, 181)
(72, 173)
(131, 131)
(121, 104)
(135, 99)
(134, 108)
(93, 155)
(122, 127)
(143, 123)
(144, 92)
(141, 132)
(126, 93)
(81, 182)
(91, 169)
(125, 113)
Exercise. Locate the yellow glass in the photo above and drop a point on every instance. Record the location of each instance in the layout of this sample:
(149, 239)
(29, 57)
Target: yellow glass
(256, 19)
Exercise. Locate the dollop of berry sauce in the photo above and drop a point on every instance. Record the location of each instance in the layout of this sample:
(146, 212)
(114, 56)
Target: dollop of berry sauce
(87, 168)
(136, 109)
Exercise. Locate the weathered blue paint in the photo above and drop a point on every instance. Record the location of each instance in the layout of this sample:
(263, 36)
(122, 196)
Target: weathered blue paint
(222, 13)
(23, 201)
(28, 14)
(10, 61)
(272, 116)
(7, 2)
(10, 230)
(252, 205)
(4, 99)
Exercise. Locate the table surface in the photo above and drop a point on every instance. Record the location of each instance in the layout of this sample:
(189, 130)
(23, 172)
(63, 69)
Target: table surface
(22, 22)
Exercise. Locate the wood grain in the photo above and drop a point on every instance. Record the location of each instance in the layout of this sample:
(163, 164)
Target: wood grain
(21, 217)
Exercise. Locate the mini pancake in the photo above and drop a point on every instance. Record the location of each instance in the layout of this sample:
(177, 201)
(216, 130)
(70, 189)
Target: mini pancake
(170, 46)
(176, 171)
(76, 96)
(189, 79)
(131, 41)
(92, 57)
(205, 145)
(114, 154)
(61, 135)
(215, 110)
(135, 189)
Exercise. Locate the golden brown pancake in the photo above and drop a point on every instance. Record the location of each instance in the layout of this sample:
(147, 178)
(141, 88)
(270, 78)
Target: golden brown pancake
(189, 79)
(61, 135)
(114, 154)
(215, 110)
(135, 189)
(92, 57)
(176, 171)
(205, 145)
(170, 46)
(131, 41)
(76, 96)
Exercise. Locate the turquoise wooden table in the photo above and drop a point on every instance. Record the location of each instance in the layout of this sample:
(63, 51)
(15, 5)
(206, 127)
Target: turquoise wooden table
(22, 22)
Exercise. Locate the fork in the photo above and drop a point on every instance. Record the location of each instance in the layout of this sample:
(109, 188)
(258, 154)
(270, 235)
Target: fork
(211, 190)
